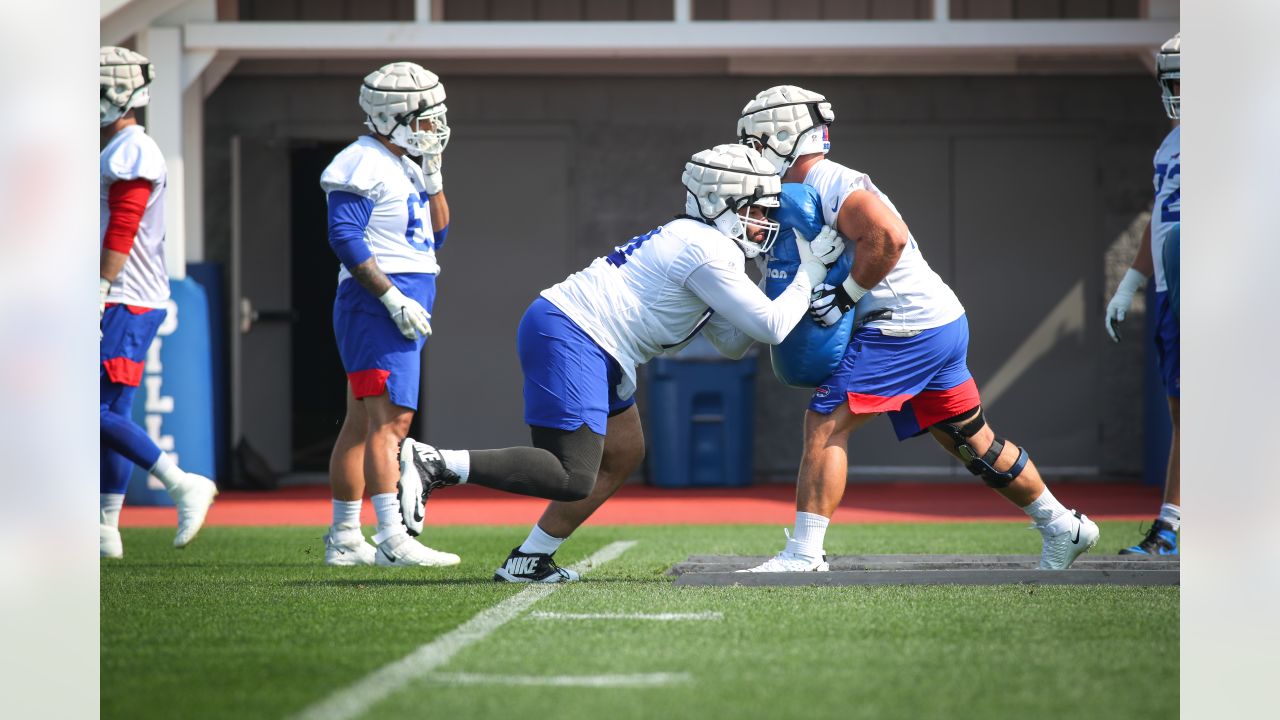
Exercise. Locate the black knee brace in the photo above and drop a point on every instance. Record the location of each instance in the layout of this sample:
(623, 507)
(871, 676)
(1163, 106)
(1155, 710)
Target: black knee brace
(983, 466)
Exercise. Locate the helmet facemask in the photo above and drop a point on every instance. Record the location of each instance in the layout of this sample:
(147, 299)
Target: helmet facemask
(1169, 73)
(421, 133)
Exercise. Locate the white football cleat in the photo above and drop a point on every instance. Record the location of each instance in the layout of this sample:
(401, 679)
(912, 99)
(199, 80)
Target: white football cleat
(192, 498)
(109, 544)
(1065, 539)
(345, 546)
(787, 561)
(422, 471)
(402, 550)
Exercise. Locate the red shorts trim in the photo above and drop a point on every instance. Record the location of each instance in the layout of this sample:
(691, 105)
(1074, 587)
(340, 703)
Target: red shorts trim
(124, 371)
(133, 309)
(934, 406)
(368, 383)
(860, 404)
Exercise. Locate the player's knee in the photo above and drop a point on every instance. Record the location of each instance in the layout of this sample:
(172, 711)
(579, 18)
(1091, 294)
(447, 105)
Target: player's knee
(996, 468)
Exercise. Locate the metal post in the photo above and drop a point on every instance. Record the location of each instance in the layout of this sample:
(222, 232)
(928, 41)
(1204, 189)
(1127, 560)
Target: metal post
(682, 10)
(422, 11)
(941, 10)
(164, 116)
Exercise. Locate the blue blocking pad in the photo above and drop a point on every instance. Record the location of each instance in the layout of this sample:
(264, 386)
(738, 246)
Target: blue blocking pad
(811, 353)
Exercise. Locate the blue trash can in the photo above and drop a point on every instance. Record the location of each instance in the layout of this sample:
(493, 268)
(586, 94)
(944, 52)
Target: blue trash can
(701, 417)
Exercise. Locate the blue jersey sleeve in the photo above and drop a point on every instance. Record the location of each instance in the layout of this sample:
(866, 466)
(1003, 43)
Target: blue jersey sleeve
(441, 234)
(348, 217)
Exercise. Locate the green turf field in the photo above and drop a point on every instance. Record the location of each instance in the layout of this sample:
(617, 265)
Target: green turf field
(248, 623)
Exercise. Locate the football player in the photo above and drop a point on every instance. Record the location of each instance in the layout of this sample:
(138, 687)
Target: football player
(387, 217)
(582, 339)
(907, 354)
(133, 289)
(1162, 537)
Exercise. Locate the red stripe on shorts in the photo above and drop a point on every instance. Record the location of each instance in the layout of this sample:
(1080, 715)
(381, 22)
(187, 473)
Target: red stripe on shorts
(860, 404)
(124, 371)
(934, 406)
(367, 383)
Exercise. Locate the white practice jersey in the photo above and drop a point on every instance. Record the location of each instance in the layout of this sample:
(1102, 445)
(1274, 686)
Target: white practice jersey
(1167, 209)
(913, 293)
(399, 233)
(133, 155)
(654, 294)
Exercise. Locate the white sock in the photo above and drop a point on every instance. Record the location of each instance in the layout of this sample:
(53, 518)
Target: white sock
(540, 542)
(168, 472)
(810, 533)
(458, 462)
(109, 508)
(1045, 509)
(387, 507)
(1171, 514)
(346, 513)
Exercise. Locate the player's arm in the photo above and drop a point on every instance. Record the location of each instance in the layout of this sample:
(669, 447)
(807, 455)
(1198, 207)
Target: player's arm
(127, 201)
(878, 235)
(743, 305)
(433, 175)
(1142, 267)
(349, 215)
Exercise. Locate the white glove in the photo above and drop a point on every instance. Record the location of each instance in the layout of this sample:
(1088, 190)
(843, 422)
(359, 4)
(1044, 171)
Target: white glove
(432, 177)
(104, 287)
(828, 246)
(809, 263)
(408, 314)
(1119, 305)
(827, 304)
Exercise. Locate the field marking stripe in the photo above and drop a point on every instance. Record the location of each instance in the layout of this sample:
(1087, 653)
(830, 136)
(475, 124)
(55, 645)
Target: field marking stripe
(633, 680)
(351, 701)
(626, 616)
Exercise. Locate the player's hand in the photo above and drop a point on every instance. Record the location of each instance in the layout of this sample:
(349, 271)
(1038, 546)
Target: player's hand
(1120, 302)
(408, 314)
(828, 303)
(809, 263)
(828, 246)
(431, 172)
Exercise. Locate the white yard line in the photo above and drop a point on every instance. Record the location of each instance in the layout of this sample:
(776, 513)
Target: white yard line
(353, 700)
(626, 616)
(595, 681)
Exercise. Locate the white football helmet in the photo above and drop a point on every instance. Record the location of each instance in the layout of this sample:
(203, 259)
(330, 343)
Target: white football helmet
(725, 180)
(785, 122)
(1169, 71)
(404, 103)
(123, 77)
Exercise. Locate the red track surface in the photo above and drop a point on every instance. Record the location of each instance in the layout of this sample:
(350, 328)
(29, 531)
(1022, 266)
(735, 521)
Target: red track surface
(640, 505)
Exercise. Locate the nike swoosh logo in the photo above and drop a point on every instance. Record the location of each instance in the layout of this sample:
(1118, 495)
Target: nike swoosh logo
(417, 509)
(388, 555)
(835, 206)
(1076, 541)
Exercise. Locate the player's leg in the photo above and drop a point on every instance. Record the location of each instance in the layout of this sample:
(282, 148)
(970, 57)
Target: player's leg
(843, 403)
(533, 560)
(126, 335)
(1008, 469)
(388, 424)
(113, 480)
(1162, 536)
(567, 381)
(345, 544)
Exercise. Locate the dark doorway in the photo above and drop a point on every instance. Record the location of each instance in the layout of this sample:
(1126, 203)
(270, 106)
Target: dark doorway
(319, 383)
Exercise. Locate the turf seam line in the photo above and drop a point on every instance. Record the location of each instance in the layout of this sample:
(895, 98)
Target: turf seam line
(591, 681)
(355, 699)
(625, 616)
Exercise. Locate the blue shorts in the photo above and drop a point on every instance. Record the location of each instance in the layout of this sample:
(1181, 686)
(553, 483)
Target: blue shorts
(375, 355)
(919, 380)
(127, 332)
(1168, 345)
(569, 380)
